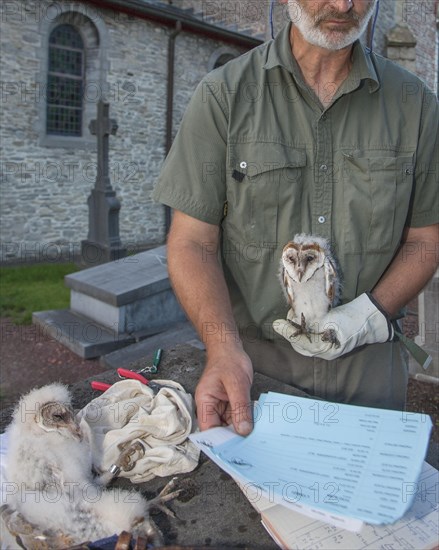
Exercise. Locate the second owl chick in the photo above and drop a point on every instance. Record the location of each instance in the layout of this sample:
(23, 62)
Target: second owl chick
(54, 501)
(311, 282)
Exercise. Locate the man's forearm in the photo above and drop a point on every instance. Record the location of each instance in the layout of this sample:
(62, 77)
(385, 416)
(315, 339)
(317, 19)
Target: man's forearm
(199, 284)
(411, 269)
(223, 392)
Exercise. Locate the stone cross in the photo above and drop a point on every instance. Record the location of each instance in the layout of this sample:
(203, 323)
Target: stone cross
(103, 127)
(103, 242)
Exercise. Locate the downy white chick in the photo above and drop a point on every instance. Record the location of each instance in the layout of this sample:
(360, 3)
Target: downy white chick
(53, 499)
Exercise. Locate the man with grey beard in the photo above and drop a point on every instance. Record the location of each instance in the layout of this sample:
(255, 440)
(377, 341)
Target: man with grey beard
(309, 133)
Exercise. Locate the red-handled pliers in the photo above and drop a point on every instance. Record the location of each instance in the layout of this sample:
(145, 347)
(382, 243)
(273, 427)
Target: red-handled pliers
(100, 386)
(125, 373)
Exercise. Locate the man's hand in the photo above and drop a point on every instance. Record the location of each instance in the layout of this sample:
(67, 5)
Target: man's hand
(223, 392)
(341, 330)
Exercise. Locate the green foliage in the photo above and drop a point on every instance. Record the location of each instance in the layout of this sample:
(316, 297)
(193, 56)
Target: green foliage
(26, 289)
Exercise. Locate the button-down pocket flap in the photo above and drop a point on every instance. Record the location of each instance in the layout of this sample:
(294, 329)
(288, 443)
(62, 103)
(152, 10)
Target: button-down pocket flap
(255, 158)
(376, 195)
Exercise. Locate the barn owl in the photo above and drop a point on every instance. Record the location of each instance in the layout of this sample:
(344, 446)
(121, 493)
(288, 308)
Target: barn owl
(54, 501)
(311, 284)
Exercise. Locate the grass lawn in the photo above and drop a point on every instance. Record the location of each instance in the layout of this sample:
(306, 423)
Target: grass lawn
(26, 289)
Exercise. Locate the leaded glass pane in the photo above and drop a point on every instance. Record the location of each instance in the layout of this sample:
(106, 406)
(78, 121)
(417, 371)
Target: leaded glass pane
(62, 60)
(66, 35)
(64, 121)
(64, 91)
(65, 82)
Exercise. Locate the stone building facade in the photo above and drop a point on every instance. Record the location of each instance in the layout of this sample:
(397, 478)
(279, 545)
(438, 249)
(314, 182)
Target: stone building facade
(46, 178)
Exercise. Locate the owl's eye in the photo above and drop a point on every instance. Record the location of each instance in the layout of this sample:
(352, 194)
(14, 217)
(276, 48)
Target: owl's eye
(58, 417)
(310, 258)
(292, 260)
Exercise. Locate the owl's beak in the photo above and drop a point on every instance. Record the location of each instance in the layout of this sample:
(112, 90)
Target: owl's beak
(299, 275)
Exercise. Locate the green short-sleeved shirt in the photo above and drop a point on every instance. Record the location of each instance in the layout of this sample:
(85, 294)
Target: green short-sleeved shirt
(258, 154)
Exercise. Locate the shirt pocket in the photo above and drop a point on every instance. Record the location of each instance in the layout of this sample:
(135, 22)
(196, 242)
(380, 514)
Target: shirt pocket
(256, 172)
(376, 198)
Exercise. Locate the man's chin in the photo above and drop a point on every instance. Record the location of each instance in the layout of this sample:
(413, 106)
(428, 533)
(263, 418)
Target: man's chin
(335, 40)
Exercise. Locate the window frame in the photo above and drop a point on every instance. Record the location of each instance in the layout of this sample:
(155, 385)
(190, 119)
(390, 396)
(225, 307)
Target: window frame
(221, 52)
(95, 38)
(81, 78)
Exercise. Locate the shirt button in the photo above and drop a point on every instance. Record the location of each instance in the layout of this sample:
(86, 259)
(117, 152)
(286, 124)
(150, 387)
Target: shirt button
(324, 167)
(243, 165)
(321, 219)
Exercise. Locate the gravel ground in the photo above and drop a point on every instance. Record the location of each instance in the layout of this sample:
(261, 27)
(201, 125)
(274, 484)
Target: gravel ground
(30, 359)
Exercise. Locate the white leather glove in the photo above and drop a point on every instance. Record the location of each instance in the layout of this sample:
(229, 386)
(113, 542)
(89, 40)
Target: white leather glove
(341, 330)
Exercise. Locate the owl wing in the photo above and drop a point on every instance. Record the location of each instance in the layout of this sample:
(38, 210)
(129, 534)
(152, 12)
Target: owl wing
(28, 535)
(287, 288)
(330, 279)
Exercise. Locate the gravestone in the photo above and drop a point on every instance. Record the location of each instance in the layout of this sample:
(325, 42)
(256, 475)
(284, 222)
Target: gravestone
(117, 304)
(103, 243)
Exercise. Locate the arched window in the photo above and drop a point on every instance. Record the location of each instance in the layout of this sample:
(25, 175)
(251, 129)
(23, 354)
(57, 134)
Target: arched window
(73, 75)
(220, 57)
(65, 82)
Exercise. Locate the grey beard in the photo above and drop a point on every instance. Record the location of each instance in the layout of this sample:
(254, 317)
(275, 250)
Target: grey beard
(308, 26)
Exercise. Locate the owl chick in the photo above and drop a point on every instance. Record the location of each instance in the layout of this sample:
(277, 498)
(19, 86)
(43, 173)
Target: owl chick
(53, 499)
(311, 284)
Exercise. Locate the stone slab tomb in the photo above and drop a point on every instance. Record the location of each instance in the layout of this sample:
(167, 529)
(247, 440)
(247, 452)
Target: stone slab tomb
(115, 304)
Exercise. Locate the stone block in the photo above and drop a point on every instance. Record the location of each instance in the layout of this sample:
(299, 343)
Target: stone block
(129, 295)
(116, 304)
(124, 281)
(84, 337)
(401, 36)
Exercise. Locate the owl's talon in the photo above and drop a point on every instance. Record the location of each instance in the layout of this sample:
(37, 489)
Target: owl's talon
(330, 335)
(295, 325)
(304, 328)
(301, 329)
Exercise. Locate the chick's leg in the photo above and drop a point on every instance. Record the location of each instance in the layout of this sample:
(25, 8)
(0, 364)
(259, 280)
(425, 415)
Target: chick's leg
(301, 328)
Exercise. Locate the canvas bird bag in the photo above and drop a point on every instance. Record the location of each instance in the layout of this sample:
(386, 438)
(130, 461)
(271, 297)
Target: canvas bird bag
(130, 412)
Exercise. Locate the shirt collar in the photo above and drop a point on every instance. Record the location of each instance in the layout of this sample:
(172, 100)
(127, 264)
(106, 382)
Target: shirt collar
(279, 55)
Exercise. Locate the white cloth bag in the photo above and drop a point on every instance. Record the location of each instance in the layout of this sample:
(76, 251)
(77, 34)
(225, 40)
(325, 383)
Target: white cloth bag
(130, 411)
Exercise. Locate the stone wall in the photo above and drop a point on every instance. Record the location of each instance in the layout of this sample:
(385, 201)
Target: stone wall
(407, 33)
(246, 16)
(420, 17)
(44, 190)
(44, 185)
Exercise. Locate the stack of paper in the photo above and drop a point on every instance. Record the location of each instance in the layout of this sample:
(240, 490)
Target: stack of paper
(335, 463)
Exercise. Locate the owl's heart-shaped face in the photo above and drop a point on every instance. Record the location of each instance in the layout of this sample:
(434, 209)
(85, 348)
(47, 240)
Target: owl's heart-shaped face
(58, 417)
(301, 261)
